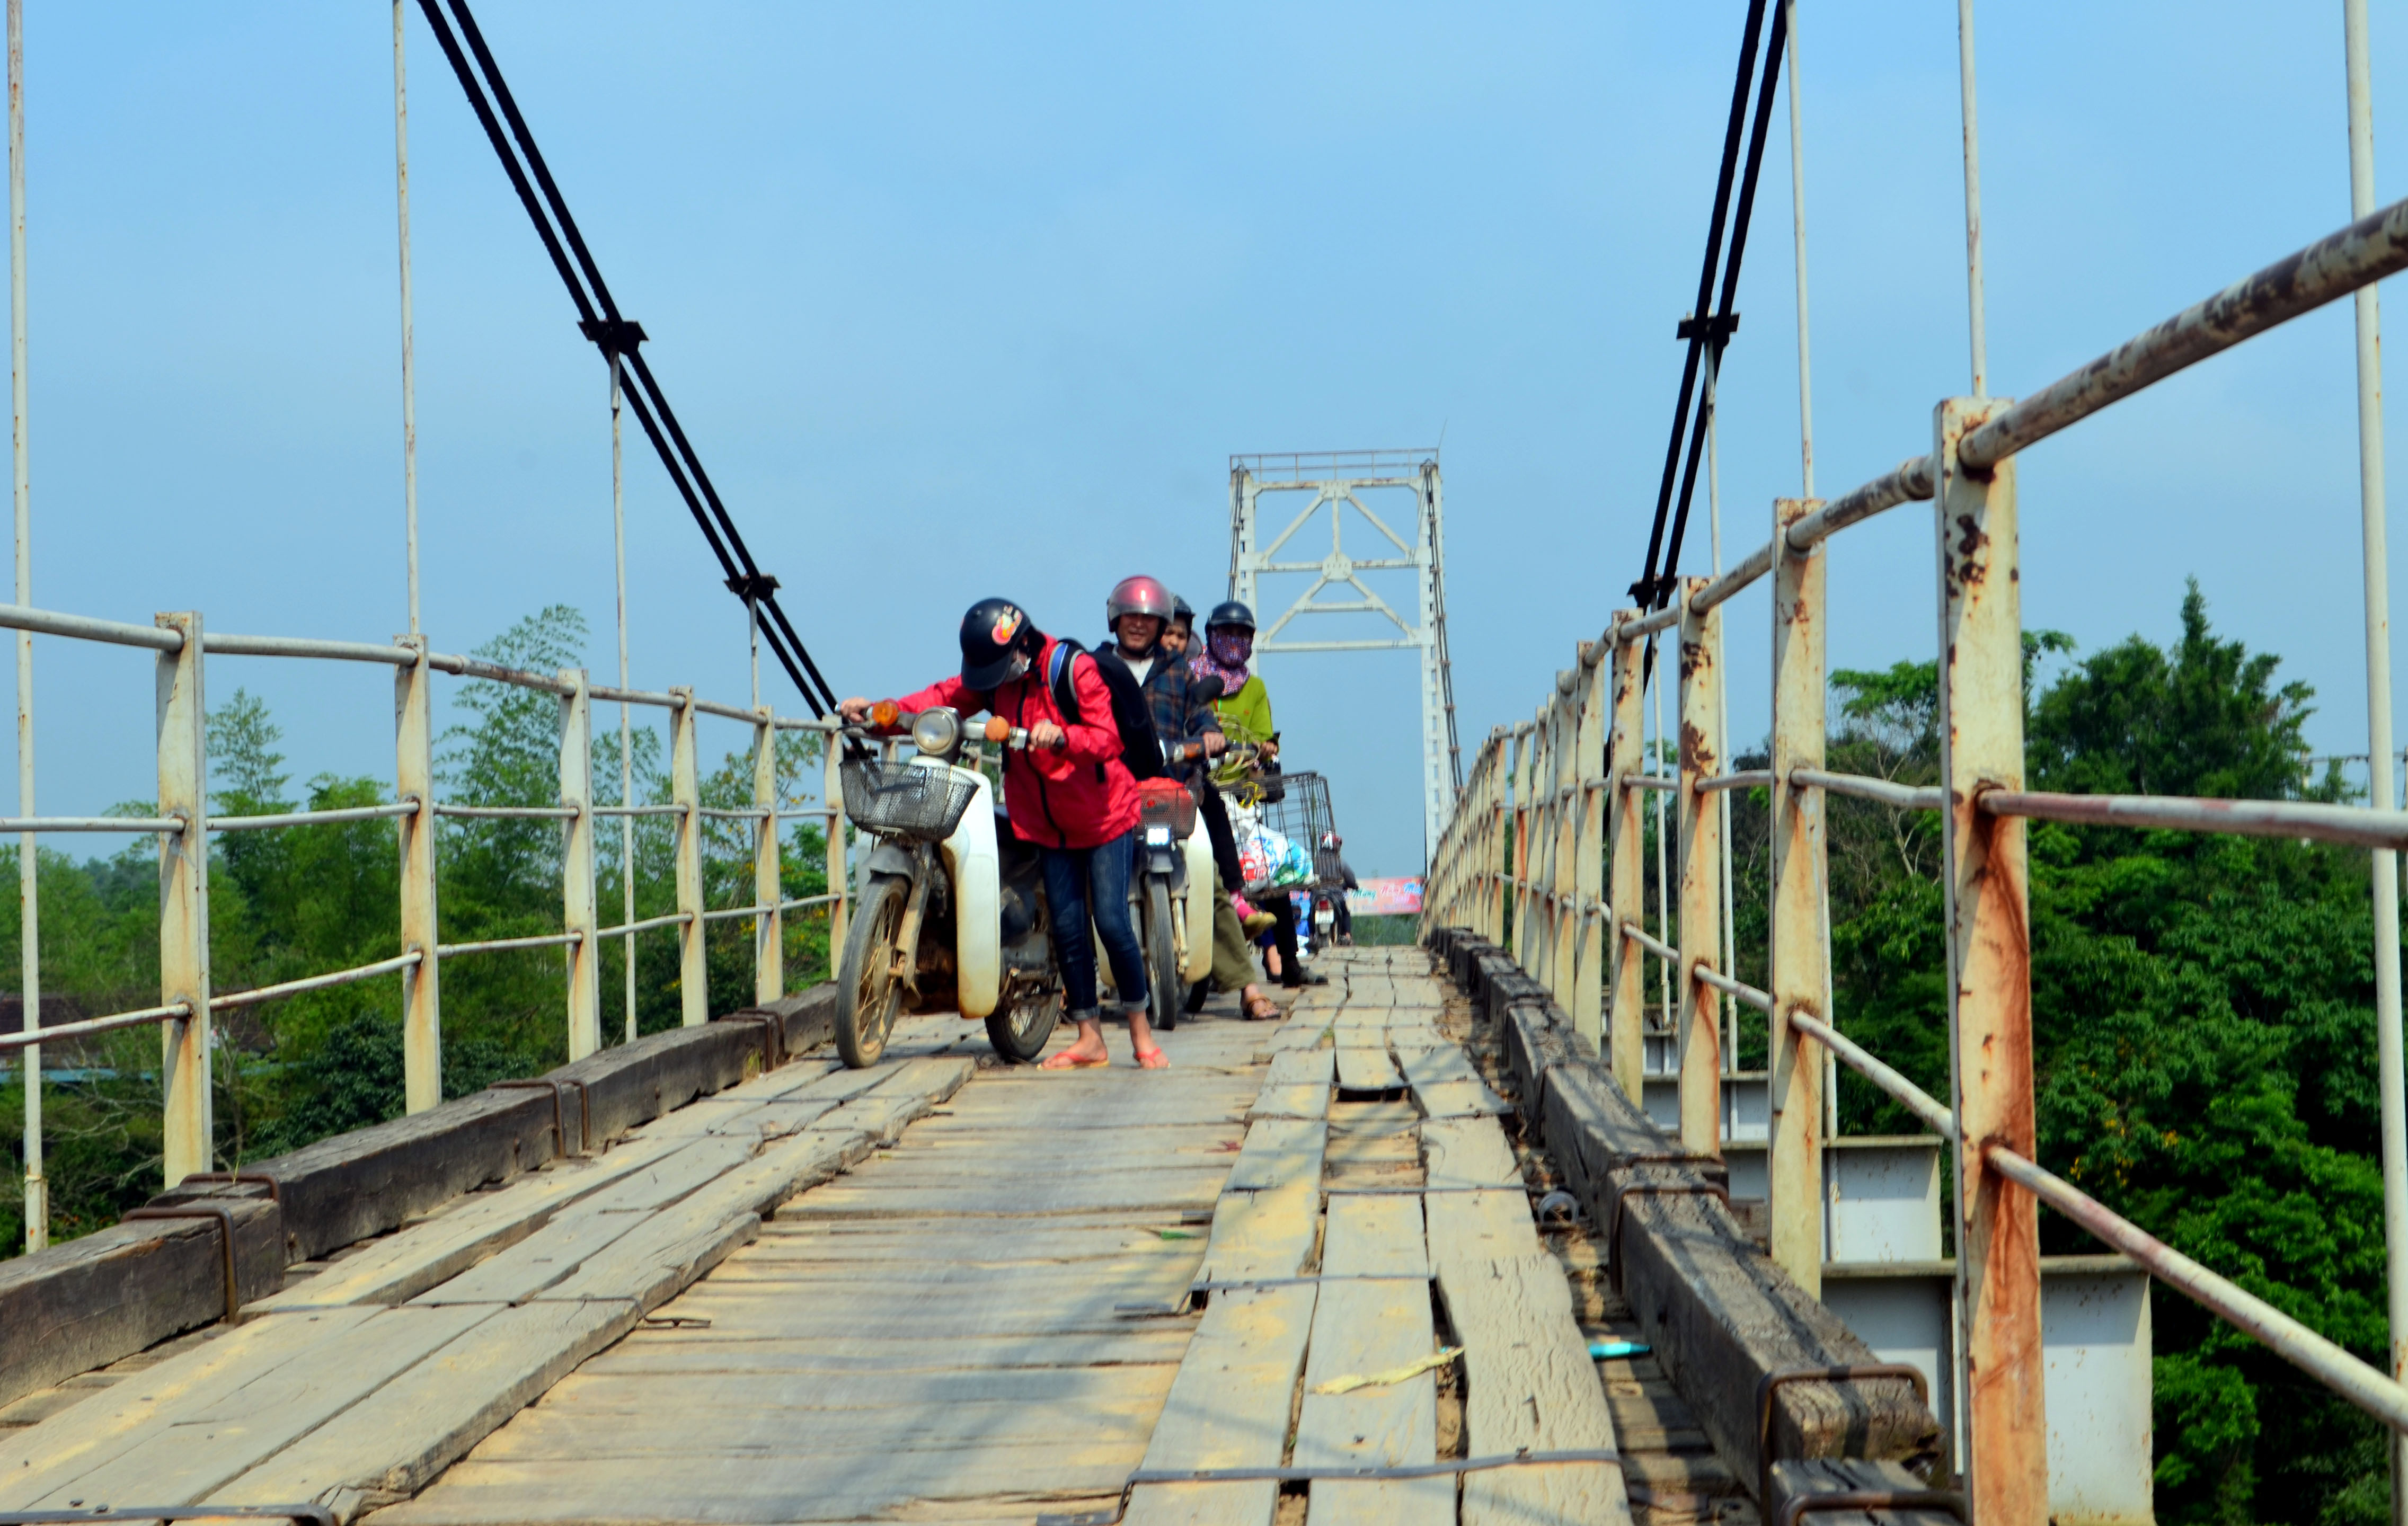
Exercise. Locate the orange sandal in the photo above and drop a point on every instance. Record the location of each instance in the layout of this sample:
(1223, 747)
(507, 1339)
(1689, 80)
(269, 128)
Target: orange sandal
(1068, 1060)
(1153, 1060)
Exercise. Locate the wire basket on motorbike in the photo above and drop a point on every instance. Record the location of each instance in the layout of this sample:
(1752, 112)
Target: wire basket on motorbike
(1164, 802)
(1276, 834)
(904, 800)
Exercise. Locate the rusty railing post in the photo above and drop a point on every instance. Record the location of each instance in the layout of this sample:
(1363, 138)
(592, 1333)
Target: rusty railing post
(1989, 978)
(1701, 864)
(188, 1142)
(1563, 749)
(1626, 833)
(839, 885)
(577, 865)
(422, 1011)
(685, 789)
(1800, 976)
(1588, 846)
(768, 927)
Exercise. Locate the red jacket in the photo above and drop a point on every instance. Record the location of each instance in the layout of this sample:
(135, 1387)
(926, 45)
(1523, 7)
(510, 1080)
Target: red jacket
(1081, 797)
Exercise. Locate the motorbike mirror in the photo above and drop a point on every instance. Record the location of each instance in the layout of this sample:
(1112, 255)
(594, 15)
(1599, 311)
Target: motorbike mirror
(997, 728)
(1210, 688)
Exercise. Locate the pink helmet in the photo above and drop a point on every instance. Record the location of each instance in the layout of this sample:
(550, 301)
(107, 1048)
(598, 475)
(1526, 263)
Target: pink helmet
(1139, 596)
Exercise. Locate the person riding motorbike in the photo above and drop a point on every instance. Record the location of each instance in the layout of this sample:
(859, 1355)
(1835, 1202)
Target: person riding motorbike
(1071, 794)
(1179, 633)
(1329, 866)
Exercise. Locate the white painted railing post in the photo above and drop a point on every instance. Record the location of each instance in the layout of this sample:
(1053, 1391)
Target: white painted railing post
(1525, 756)
(685, 789)
(422, 1011)
(768, 927)
(1626, 836)
(1989, 985)
(577, 866)
(1493, 859)
(188, 1142)
(1800, 941)
(1700, 879)
(839, 885)
(1563, 791)
(1588, 852)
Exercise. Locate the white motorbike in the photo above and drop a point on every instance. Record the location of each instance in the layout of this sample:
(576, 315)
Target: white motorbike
(950, 914)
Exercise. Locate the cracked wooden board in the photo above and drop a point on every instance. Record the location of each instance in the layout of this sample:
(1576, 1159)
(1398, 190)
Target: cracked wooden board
(1228, 1408)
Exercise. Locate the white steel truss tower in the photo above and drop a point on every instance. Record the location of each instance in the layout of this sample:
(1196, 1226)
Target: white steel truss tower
(1334, 480)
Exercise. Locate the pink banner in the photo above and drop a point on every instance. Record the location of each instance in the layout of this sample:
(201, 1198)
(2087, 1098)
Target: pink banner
(1386, 898)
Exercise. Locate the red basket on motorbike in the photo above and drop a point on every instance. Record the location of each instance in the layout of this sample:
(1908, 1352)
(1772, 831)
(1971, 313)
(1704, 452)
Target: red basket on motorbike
(1165, 801)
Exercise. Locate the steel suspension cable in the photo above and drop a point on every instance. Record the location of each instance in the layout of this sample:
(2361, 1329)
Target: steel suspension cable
(599, 319)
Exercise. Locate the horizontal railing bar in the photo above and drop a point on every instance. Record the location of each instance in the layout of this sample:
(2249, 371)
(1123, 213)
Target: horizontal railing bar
(23, 617)
(624, 930)
(2373, 247)
(512, 813)
(1647, 626)
(1639, 935)
(803, 722)
(1865, 787)
(224, 644)
(95, 1025)
(732, 712)
(739, 813)
(1909, 482)
(2294, 1342)
(90, 823)
(545, 940)
(1745, 779)
(1649, 782)
(476, 667)
(809, 901)
(303, 818)
(816, 812)
(1922, 1104)
(317, 982)
(1750, 568)
(634, 696)
(639, 810)
(730, 913)
(1739, 990)
(2349, 824)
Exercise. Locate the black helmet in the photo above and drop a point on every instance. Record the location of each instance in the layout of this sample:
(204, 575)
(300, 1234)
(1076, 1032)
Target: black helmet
(997, 640)
(1182, 611)
(1230, 612)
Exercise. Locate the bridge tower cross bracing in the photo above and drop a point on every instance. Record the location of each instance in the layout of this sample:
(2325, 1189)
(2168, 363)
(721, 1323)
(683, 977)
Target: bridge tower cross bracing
(1336, 480)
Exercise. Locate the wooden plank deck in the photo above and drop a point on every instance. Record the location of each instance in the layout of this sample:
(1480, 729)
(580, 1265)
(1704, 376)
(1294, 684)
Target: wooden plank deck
(930, 1293)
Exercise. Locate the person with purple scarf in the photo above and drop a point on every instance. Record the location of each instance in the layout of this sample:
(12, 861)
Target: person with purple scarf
(1245, 712)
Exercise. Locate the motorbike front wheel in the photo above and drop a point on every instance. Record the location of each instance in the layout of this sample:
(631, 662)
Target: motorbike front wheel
(1019, 1028)
(867, 993)
(1162, 976)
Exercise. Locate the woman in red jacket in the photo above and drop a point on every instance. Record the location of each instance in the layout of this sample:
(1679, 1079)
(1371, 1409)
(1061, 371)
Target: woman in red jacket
(1070, 795)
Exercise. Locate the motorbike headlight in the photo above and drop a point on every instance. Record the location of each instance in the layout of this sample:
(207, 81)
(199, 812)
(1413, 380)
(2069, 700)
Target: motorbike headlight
(1157, 836)
(936, 732)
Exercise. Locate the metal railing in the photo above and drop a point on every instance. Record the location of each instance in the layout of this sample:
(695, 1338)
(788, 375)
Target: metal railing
(184, 827)
(1546, 839)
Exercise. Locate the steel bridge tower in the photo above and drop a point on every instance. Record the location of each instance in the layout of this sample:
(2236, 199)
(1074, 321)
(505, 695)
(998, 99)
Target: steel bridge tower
(1336, 480)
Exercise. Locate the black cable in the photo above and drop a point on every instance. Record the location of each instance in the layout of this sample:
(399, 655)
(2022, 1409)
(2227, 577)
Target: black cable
(1645, 590)
(646, 398)
(1725, 321)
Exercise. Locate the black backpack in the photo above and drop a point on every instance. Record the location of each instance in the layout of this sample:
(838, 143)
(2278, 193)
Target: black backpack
(1140, 745)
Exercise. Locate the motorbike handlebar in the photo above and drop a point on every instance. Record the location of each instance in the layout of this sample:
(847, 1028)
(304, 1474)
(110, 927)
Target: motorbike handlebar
(1004, 734)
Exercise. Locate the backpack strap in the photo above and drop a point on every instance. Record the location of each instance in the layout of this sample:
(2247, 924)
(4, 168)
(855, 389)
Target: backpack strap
(1058, 679)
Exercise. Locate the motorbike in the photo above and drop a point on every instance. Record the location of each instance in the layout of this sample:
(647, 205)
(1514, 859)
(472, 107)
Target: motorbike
(952, 913)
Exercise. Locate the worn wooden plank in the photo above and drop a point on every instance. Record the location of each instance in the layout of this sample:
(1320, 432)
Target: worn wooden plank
(399, 1437)
(1529, 1385)
(1300, 1067)
(741, 1349)
(404, 1264)
(1480, 1225)
(1279, 1151)
(1468, 1152)
(1374, 1237)
(1363, 1068)
(620, 1389)
(1262, 1234)
(1050, 1192)
(908, 1094)
(1461, 1098)
(1363, 1328)
(552, 1254)
(1293, 1101)
(193, 1447)
(1228, 1408)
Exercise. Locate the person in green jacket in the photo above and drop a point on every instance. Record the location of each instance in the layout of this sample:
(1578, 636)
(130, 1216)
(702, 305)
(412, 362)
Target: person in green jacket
(1245, 712)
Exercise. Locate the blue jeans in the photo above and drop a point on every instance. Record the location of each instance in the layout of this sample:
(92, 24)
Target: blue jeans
(1084, 882)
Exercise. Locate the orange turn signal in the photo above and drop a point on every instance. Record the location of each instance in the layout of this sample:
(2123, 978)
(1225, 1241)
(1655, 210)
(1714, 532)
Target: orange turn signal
(886, 713)
(997, 728)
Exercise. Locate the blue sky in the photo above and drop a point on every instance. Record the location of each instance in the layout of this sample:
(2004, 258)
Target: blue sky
(959, 300)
